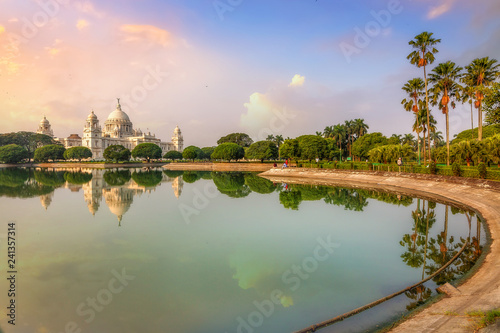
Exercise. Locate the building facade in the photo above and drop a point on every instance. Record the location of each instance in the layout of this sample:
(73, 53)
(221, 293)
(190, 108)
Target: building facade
(118, 130)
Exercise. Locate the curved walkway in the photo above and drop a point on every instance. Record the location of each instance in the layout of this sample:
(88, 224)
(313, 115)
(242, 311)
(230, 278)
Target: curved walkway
(482, 290)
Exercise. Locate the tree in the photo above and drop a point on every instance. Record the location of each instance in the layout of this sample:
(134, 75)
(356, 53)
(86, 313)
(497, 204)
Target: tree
(207, 152)
(415, 90)
(28, 140)
(192, 152)
(465, 151)
(117, 178)
(77, 153)
(395, 139)
(77, 178)
(366, 143)
(408, 139)
(339, 134)
(444, 78)
(492, 104)
(240, 139)
(149, 178)
(13, 153)
(147, 150)
(116, 153)
(437, 138)
(311, 147)
(488, 131)
(290, 149)
(231, 184)
(481, 72)
(49, 152)
(360, 128)
(173, 155)
(262, 150)
(259, 184)
(423, 55)
(228, 151)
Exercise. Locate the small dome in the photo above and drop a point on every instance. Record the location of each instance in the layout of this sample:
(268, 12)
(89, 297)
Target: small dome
(177, 129)
(118, 114)
(44, 121)
(92, 115)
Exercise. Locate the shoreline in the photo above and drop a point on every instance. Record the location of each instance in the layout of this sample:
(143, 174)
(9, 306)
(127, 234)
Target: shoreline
(73, 165)
(223, 166)
(481, 291)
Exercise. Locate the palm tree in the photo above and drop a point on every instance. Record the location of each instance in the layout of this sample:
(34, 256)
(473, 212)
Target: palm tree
(467, 94)
(444, 78)
(339, 133)
(465, 150)
(318, 133)
(349, 126)
(421, 125)
(328, 132)
(422, 56)
(360, 127)
(414, 88)
(408, 139)
(481, 72)
(437, 138)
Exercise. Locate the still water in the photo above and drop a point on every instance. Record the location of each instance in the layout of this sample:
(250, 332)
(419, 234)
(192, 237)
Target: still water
(199, 252)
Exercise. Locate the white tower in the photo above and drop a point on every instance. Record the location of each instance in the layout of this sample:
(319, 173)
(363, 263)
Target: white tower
(177, 139)
(92, 136)
(44, 128)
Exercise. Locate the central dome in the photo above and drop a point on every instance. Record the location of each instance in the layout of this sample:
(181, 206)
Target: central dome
(118, 114)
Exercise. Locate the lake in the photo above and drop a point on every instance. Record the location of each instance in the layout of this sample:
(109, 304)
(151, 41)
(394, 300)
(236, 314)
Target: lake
(132, 250)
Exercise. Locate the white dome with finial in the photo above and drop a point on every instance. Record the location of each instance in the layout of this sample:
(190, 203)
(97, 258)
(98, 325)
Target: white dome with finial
(118, 114)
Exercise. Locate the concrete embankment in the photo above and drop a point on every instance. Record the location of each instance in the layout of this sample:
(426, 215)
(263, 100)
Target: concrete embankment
(219, 166)
(482, 290)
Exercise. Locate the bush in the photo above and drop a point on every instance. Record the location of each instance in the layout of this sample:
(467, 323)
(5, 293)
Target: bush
(49, 152)
(455, 167)
(432, 168)
(13, 153)
(481, 168)
(370, 166)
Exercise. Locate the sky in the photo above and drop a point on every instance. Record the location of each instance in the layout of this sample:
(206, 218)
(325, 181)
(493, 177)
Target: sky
(215, 67)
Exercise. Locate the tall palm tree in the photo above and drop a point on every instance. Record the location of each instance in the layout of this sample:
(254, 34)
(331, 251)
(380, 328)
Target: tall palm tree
(468, 93)
(408, 139)
(444, 78)
(328, 132)
(349, 126)
(481, 72)
(422, 56)
(436, 137)
(415, 89)
(339, 133)
(361, 127)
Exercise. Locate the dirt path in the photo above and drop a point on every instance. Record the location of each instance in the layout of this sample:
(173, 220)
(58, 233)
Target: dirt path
(219, 166)
(482, 290)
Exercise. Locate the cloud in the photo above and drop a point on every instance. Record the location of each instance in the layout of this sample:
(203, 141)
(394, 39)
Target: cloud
(136, 32)
(87, 7)
(297, 81)
(441, 9)
(2, 29)
(82, 24)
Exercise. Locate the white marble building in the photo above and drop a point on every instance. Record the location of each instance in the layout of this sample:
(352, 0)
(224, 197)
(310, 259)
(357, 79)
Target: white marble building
(118, 130)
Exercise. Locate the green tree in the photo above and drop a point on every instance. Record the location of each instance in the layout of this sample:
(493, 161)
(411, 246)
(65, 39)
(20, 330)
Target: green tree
(49, 178)
(228, 151)
(262, 150)
(240, 139)
(147, 150)
(415, 90)
(191, 176)
(49, 152)
(446, 89)
(366, 143)
(28, 140)
(291, 199)
(423, 55)
(116, 153)
(311, 147)
(173, 155)
(14, 177)
(13, 153)
(192, 153)
(492, 104)
(231, 184)
(488, 131)
(339, 134)
(173, 173)
(77, 153)
(465, 151)
(481, 72)
(290, 149)
(207, 152)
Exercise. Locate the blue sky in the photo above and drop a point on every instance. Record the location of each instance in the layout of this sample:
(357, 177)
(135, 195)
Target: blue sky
(215, 67)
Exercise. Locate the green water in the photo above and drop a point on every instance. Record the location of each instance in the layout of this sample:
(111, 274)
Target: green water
(153, 251)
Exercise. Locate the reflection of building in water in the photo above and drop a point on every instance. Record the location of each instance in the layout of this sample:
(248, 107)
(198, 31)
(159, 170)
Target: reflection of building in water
(46, 199)
(177, 185)
(118, 198)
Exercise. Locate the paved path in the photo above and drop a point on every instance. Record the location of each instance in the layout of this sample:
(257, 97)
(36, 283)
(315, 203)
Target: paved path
(481, 291)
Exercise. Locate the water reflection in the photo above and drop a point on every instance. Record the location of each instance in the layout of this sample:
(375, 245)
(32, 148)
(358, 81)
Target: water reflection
(249, 258)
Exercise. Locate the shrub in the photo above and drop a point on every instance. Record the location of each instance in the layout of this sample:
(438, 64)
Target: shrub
(455, 167)
(370, 166)
(481, 168)
(432, 168)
